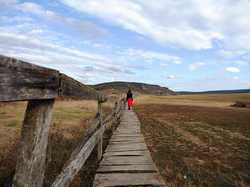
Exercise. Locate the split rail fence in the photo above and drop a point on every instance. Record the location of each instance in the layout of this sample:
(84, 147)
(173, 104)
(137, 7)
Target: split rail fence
(22, 81)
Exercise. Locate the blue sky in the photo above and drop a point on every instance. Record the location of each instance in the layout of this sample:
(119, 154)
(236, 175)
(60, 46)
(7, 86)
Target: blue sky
(184, 45)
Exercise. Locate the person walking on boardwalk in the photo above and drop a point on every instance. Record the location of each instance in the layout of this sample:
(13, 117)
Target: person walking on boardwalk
(129, 99)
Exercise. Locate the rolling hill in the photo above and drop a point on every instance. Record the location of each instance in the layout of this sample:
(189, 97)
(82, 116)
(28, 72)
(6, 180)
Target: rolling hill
(117, 88)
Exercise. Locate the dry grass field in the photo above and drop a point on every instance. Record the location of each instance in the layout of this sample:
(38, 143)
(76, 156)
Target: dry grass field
(198, 140)
(70, 120)
(213, 100)
(195, 140)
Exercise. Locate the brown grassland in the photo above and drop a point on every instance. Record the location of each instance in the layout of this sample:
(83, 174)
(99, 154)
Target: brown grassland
(195, 140)
(198, 140)
(70, 121)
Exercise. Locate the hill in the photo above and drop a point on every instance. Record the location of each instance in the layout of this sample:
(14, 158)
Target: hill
(117, 88)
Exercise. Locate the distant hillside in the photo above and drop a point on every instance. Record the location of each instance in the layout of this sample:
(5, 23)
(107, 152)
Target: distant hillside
(114, 88)
(215, 92)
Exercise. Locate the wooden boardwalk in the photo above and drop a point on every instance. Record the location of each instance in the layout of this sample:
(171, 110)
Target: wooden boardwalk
(127, 161)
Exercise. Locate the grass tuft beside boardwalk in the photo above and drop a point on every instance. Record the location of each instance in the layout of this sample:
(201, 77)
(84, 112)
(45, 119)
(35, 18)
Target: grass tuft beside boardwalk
(197, 145)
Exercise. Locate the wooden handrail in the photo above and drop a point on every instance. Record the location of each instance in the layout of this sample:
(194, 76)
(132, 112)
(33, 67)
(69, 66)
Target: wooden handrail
(22, 81)
(83, 151)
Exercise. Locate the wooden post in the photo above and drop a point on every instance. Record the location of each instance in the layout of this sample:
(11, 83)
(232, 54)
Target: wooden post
(99, 145)
(34, 139)
(116, 105)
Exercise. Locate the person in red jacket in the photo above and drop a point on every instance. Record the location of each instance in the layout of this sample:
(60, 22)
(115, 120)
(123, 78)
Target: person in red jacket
(129, 99)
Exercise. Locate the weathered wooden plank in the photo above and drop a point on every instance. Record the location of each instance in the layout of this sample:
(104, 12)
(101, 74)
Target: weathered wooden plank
(34, 138)
(99, 144)
(113, 143)
(126, 138)
(126, 153)
(127, 179)
(132, 123)
(128, 130)
(127, 169)
(124, 128)
(117, 139)
(131, 131)
(125, 142)
(128, 135)
(126, 147)
(20, 80)
(128, 160)
(120, 145)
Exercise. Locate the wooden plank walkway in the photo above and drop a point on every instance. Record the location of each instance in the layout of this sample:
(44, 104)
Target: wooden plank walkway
(127, 161)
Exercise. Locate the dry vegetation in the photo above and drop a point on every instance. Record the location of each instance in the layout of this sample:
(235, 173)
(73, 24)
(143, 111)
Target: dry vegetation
(195, 140)
(70, 120)
(213, 100)
(198, 140)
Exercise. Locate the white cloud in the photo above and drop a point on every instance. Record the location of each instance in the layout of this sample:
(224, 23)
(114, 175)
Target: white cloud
(173, 77)
(241, 63)
(235, 77)
(233, 69)
(16, 40)
(168, 22)
(7, 2)
(163, 64)
(83, 27)
(150, 56)
(189, 24)
(231, 53)
(195, 66)
(40, 50)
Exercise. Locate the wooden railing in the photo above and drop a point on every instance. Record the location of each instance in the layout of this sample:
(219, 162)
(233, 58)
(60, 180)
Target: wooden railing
(22, 81)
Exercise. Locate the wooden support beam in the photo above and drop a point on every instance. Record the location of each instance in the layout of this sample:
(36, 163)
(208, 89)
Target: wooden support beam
(34, 139)
(20, 80)
(101, 98)
(99, 145)
(23, 81)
